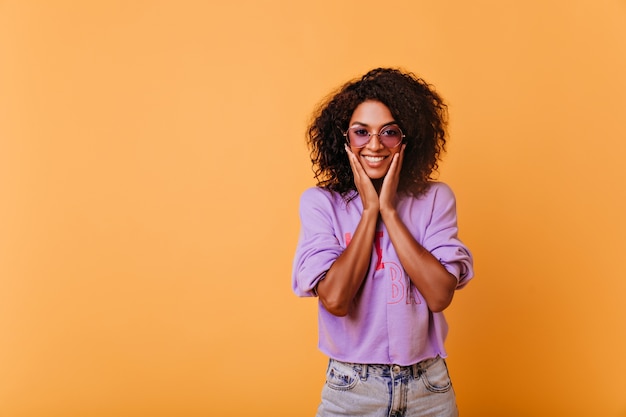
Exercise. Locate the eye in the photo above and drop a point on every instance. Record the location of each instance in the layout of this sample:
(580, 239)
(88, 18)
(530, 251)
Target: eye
(360, 132)
(391, 132)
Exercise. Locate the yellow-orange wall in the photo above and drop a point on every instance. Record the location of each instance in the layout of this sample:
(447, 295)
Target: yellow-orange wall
(151, 160)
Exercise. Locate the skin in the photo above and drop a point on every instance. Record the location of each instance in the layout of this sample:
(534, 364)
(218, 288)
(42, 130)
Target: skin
(376, 182)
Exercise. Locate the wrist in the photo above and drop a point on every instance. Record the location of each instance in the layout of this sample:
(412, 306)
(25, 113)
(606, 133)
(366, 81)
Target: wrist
(388, 212)
(370, 212)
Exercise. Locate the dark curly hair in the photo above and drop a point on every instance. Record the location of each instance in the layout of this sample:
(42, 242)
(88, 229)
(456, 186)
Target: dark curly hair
(414, 104)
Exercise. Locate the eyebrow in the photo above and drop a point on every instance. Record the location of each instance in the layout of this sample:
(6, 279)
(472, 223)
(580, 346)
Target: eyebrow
(393, 122)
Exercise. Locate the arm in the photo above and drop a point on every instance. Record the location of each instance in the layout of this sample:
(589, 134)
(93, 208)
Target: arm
(431, 278)
(344, 278)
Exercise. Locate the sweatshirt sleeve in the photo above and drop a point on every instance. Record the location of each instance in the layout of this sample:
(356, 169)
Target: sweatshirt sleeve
(318, 246)
(441, 237)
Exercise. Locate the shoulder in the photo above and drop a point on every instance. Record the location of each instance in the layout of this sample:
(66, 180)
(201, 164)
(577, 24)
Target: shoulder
(316, 192)
(438, 187)
(437, 198)
(438, 191)
(321, 196)
(442, 200)
(316, 195)
(322, 209)
(317, 199)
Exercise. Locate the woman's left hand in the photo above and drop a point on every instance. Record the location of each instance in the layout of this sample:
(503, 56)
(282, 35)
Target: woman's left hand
(387, 198)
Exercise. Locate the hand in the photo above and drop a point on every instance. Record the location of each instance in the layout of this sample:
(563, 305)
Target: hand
(390, 183)
(363, 183)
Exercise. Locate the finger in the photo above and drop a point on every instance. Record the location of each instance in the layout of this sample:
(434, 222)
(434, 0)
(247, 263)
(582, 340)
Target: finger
(401, 155)
(357, 168)
(394, 168)
(390, 183)
(396, 164)
(351, 156)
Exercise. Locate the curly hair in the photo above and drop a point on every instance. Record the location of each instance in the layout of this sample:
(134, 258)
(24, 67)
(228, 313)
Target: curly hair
(414, 104)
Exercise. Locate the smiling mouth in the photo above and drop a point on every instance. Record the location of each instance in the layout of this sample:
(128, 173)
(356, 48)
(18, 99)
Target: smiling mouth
(373, 158)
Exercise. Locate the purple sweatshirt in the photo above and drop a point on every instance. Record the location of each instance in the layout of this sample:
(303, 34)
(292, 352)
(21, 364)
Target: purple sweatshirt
(389, 321)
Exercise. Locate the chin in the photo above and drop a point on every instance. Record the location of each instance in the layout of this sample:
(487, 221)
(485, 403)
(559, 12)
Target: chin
(376, 175)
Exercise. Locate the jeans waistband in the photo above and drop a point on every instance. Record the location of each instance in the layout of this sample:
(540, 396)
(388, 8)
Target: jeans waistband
(365, 369)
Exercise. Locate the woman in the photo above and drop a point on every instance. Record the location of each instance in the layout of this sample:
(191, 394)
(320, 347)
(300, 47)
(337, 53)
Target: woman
(379, 248)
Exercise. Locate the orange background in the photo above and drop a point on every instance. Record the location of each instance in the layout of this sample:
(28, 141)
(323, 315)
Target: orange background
(152, 156)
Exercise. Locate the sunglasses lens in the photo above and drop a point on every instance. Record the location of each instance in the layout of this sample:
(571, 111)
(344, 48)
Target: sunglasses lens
(390, 136)
(358, 136)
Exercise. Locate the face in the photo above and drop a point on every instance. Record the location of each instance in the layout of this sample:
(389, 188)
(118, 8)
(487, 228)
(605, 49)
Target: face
(374, 157)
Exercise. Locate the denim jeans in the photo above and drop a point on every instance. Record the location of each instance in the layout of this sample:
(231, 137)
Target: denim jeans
(419, 390)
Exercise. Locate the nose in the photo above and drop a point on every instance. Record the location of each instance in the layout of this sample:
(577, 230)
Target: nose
(375, 144)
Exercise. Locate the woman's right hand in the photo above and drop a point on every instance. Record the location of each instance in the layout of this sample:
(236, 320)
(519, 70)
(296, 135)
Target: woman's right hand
(345, 276)
(363, 183)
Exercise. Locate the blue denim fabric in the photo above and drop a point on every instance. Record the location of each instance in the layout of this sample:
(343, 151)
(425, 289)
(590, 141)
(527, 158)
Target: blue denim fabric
(420, 390)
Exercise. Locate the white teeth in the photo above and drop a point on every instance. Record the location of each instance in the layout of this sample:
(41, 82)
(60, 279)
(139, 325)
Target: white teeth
(374, 158)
